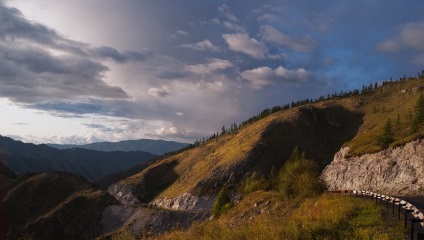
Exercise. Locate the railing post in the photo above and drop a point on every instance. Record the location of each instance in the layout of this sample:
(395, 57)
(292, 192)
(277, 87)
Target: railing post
(406, 216)
(394, 201)
(414, 220)
(387, 203)
(400, 205)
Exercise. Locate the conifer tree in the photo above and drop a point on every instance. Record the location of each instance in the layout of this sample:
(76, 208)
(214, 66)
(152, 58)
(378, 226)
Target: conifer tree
(418, 118)
(387, 136)
(220, 201)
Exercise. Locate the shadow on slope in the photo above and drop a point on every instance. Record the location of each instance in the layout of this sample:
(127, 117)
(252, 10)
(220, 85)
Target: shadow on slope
(52, 206)
(320, 132)
(155, 180)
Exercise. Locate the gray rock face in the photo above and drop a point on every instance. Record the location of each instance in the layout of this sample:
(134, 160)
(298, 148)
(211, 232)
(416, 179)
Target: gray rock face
(185, 201)
(144, 220)
(123, 193)
(392, 171)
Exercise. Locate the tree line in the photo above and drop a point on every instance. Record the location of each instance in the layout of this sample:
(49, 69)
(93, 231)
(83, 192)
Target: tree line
(365, 89)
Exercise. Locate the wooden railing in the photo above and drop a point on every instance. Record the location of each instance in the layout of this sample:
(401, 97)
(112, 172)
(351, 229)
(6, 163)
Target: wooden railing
(416, 215)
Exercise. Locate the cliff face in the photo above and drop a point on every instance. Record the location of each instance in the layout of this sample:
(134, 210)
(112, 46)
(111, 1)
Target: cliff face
(395, 171)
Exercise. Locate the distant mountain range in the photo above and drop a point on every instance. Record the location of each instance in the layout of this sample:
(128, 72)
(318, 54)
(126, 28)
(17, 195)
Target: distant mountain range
(157, 147)
(26, 157)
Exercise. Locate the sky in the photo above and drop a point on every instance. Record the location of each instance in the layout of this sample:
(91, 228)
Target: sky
(82, 71)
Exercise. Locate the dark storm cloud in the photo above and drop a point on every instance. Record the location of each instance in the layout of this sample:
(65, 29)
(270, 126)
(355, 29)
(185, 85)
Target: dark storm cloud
(37, 65)
(114, 54)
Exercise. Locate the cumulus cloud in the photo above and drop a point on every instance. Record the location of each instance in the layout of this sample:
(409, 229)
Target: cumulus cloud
(240, 42)
(38, 66)
(263, 76)
(205, 45)
(408, 36)
(179, 33)
(273, 35)
(213, 64)
(163, 91)
(226, 12)
(228, 19)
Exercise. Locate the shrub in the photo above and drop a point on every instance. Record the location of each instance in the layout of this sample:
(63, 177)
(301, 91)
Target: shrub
(254, 183)
(221, 200)
(299, 177)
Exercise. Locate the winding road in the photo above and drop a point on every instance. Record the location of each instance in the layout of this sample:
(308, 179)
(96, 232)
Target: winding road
(417, 201)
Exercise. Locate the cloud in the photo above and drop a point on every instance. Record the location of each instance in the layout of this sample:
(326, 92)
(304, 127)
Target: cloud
(226, 12)
(114, 54)
(205, 45)
(240, 42)
(273, 35)
(38, 66)
(408, 36)
(228, 19)
(179, 33)
(163, 91)
(171, 132)
(263, 76)
(214, 64)
(20, 124)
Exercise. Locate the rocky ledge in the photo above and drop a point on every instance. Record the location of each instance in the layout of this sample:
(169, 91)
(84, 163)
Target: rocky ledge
(394, 171)
(185, 201)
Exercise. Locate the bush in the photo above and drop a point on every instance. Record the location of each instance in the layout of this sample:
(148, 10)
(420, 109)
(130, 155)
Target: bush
(221, 200)
(299, 177)
(254, 183)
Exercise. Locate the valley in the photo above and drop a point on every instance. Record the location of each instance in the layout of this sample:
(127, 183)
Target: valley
(269, 169)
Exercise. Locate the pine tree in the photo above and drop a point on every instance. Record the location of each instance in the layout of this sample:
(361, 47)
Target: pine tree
(220, 201)
(418, 118)
(387, 136)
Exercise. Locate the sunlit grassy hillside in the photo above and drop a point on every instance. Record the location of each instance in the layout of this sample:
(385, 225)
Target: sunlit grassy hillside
(262, 215)
(320, 129)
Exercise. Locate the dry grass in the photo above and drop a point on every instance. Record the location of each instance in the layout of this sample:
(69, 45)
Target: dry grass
(324, 217)
(362, 119)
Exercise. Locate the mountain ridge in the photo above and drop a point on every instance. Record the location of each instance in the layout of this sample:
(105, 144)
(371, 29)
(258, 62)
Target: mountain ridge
(157, 147)
(26, 157)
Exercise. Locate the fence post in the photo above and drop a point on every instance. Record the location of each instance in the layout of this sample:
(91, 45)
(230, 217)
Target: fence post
(414, 220)
(394, 201)
(387, 203)
(400, 205)
(406, 216)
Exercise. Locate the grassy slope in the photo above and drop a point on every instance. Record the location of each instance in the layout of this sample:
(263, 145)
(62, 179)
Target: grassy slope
(262, 215)
(388, 101)
(320, 129)
(66, 205)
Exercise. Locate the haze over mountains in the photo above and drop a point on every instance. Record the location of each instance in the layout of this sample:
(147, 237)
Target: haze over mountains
(26, 157)
(157, 147)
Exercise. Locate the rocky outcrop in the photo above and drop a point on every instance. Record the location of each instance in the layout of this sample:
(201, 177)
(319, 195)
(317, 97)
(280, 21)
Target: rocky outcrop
(395, 171)
(142, 220)
(123, 193)
(185, 201)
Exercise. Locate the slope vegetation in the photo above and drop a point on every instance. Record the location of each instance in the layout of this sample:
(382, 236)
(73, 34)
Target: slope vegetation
(320, 129)
(52, 206)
